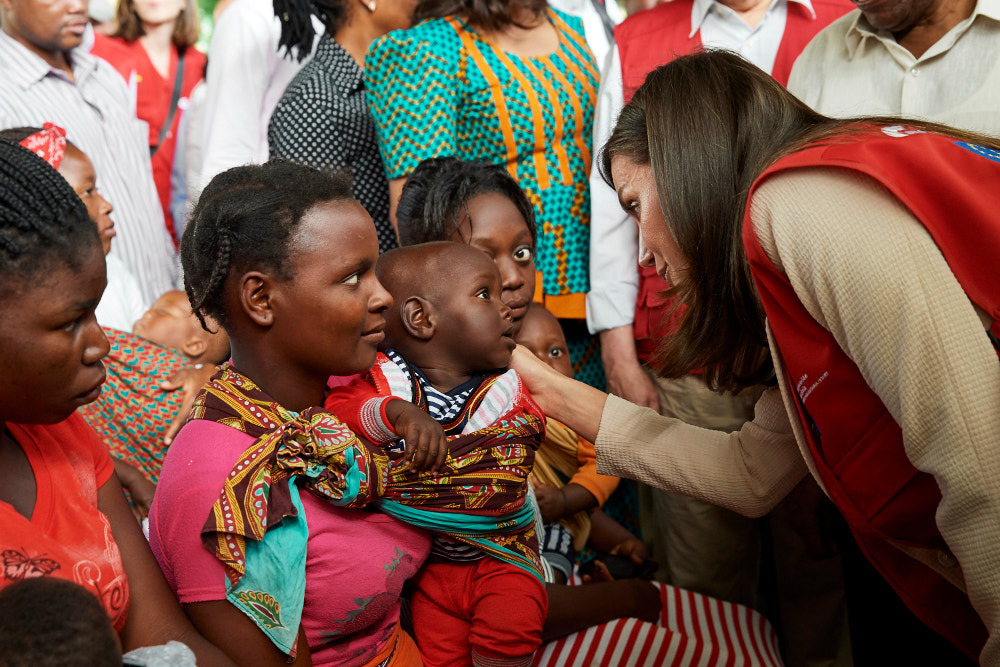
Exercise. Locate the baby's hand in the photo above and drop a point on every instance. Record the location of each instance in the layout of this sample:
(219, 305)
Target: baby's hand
(426, 445)
(551, 502)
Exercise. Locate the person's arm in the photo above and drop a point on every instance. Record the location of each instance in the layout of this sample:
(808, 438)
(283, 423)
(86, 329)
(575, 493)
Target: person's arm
(232, 631)
(747, 471)
(563, 502)
(614, 259)
(575, 608)
(235, 85)
(140, 488)
(869, 273)
(154, 615)
(395, 190)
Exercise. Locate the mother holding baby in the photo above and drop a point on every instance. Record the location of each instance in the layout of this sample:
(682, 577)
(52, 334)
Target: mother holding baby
(820, 257)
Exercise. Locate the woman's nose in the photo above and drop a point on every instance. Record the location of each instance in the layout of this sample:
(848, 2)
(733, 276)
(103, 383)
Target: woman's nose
(97, 345)
(645, 256)
(380, 298)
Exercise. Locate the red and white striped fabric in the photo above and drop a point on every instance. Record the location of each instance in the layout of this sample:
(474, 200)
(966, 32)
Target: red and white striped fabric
(694, 631)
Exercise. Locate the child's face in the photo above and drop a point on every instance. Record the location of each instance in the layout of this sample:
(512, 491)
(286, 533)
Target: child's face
(473, 322)
(51, 345)
(78, 171)
(170, 321)
(328, 318)
(496, 227)
(541, 334)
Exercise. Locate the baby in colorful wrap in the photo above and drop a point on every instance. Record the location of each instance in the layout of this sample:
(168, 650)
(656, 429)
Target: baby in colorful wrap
(480, 599)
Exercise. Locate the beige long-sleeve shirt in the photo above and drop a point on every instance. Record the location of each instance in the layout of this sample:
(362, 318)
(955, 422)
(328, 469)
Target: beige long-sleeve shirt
(870, 273)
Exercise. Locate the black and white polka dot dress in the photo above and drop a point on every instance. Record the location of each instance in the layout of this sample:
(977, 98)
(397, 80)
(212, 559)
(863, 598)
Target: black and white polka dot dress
(323, 121)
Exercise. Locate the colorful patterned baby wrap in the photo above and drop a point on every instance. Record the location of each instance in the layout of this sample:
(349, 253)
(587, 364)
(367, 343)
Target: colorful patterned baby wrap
(257, 527)
(479, 498)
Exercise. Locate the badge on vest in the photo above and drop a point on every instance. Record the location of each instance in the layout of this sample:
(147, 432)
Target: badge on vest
(982, 151)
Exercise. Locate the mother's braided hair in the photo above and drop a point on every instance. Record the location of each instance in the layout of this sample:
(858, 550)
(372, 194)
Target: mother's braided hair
(245, 220)
(42, 220)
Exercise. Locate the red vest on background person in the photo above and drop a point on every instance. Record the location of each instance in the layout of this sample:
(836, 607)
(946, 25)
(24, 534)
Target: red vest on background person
(656, 36)
(861, 459)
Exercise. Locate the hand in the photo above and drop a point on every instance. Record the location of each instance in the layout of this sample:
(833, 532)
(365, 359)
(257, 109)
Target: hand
(426, 444)
(191, 380)
(644, 597)
(623, 371)
(634, 549)
(551, 502)
(541, 379)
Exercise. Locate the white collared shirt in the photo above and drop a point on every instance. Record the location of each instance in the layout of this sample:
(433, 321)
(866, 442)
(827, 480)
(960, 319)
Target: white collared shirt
(95, 111)
(851, 69)
(614, 239)
(245, 79)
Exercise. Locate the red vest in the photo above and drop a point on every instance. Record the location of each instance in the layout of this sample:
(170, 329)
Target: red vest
(655, 37)
(855, 443)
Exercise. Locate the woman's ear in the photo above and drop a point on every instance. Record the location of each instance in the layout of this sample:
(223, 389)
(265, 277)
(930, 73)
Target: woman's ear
(416, 314)
(255, 297)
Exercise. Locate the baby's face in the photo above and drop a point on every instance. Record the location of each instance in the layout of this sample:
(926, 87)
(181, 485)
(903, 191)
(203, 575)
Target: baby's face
(472, 320)
(169, 322)
(541, 334)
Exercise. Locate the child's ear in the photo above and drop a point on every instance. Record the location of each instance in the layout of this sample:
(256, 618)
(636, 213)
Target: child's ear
(194, 347)
(255, 297)
(417, 317)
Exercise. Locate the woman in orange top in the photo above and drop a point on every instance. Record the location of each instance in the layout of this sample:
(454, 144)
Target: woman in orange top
(62, 510)
(153, 49)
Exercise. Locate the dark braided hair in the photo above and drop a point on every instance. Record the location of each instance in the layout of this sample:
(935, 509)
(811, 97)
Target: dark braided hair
(42, 220)
(245, 219)
(297, 31)
(438, 191)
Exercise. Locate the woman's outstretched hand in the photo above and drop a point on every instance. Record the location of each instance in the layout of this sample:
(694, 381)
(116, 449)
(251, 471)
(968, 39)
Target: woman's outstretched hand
(575, 404)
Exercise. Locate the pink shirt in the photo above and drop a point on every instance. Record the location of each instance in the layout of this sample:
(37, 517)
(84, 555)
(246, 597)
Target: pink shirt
(356, 561)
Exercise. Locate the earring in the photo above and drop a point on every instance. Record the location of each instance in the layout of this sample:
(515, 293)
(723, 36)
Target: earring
(371, 5)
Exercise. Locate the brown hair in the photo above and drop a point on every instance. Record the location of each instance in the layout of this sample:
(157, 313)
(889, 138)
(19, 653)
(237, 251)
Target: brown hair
(710, 124)
(128, 25)
(491, 15)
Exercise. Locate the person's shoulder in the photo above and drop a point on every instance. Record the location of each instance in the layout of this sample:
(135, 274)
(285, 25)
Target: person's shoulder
(656, 18)
(834, 35)
(431, 37)
(201, 456)
(110, 48)
(195, 58)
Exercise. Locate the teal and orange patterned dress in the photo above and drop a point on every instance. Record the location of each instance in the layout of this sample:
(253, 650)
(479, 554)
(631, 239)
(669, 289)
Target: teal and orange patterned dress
(440, 89)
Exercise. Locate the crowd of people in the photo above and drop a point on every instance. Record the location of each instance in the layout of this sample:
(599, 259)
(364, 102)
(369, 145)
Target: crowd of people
(346, 342)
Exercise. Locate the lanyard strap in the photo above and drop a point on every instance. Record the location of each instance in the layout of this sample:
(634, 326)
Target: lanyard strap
(174, 98)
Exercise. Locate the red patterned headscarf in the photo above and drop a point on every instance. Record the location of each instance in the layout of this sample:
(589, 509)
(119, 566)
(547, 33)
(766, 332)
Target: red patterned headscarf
(49, 143)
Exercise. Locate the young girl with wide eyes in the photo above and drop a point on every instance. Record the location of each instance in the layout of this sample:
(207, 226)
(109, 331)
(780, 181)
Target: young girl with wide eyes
(477, 203)
(62, 510)
(283, 257)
